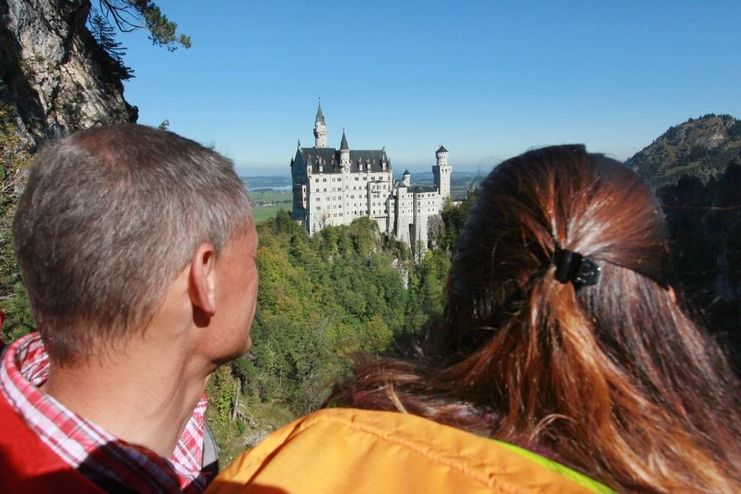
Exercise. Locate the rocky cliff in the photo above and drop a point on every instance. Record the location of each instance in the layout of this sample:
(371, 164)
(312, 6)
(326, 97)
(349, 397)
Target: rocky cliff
(701, 147)
(52, 69)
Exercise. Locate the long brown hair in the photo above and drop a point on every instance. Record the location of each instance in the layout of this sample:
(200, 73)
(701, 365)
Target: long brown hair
(612, 378)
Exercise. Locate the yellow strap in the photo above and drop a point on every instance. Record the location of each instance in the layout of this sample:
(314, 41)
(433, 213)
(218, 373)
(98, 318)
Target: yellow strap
(569, 473)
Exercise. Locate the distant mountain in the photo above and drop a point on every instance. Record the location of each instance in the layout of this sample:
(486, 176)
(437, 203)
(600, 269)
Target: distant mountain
(457, 179)
(700, 147)
(266, 182)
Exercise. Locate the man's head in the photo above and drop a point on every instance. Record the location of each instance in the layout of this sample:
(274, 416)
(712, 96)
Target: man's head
(109, 218)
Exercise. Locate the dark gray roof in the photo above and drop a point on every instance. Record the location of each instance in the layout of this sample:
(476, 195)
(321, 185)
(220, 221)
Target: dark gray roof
(319, 114)
(343, 144)
(422, 188)
(441, 149)
(406, 172)
(330, 159)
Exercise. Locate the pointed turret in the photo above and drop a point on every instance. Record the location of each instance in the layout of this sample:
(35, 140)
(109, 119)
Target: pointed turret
(319, 115)
(344, 153)
(320, 129)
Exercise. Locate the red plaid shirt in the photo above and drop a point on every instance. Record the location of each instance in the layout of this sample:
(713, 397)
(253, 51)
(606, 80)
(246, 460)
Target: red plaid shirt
(87, 447)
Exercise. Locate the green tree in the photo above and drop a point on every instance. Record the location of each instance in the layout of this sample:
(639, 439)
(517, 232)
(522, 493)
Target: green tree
(454, 218)
(129, 15)
(377, 335)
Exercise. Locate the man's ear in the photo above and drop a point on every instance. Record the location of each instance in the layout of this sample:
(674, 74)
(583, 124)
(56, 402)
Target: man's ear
(202, 280)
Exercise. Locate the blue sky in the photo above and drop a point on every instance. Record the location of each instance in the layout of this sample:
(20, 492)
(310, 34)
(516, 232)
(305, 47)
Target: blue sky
(487, 79)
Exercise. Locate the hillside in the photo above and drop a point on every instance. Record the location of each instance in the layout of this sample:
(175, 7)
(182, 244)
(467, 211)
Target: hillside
(700, 147)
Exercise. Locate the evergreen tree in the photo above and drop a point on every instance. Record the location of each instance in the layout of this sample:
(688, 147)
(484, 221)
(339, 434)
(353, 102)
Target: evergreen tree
(105, 34)
(129, 15)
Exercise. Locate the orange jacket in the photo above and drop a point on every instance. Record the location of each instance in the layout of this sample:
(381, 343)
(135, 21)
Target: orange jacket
(360, 451)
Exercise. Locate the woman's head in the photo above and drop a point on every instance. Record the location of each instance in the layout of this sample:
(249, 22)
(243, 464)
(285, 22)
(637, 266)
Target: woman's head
(522, 335)
(535, 204)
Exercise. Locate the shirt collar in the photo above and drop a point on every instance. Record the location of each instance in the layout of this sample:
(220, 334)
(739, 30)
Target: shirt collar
(87, 447)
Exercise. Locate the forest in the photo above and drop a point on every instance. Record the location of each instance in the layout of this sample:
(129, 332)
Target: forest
(346, 291)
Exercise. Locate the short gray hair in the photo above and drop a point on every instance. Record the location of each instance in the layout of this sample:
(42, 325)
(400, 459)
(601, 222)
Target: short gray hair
(109, 217)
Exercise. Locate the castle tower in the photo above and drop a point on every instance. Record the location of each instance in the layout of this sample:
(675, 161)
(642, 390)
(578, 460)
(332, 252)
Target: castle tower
(441, 172)
(320, 129)
(344, 152)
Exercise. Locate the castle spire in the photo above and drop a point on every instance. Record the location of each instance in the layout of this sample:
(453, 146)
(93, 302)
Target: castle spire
(319, 115)
(320, 128)
(344, 153)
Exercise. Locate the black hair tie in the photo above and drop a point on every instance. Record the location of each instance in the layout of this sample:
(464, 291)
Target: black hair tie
(572, 267)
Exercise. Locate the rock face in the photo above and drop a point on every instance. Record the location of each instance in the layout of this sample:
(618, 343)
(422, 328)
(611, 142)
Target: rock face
(701, 147)
(52, 69)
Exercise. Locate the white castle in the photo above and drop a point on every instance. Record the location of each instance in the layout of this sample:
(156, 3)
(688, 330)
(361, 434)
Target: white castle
(335, 186)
